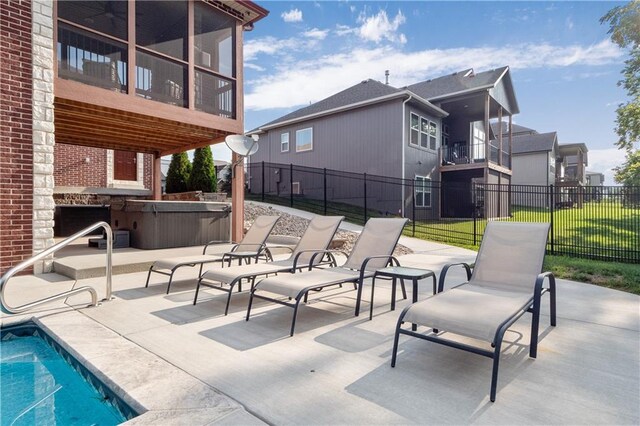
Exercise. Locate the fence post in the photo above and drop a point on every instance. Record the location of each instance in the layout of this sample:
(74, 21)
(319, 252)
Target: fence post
(474, 215)
(552, 205)
(413, 206)
(291, 184)
(324, 177)
(262, 197)
(365, 198)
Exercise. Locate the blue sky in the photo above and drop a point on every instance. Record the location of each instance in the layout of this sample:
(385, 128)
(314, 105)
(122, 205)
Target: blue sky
(563, 65)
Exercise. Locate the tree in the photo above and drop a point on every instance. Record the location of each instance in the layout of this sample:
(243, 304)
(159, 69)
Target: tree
(624, 28)
(203, 175)
(178, 174)
(225, 183)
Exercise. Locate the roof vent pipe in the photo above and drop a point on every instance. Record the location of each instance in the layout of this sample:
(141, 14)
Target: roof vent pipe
(386, 77)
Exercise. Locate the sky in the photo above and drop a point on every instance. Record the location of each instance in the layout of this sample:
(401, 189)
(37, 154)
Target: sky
(564, 67)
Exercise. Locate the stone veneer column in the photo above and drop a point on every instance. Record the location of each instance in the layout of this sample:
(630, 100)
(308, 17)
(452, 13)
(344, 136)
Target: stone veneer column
(43, 128)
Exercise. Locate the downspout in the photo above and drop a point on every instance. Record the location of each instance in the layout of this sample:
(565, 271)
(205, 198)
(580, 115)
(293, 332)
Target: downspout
(404, 145)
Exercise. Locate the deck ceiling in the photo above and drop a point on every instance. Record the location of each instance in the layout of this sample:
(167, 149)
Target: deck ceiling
(80, 123)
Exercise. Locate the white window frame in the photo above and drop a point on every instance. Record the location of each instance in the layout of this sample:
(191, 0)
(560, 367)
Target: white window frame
(282, 142)
(422, 189)
(310, 129)
(296, 188)
(478, 141)
(423, 134)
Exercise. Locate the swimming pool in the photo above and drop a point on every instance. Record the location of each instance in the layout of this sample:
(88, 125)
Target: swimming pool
(43, 384)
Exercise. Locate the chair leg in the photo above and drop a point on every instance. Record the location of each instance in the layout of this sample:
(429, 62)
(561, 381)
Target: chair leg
(250, 304)
(226, 308)
(170, 279)
(148, 276)
(393, 294)
(494, 372)
(373, 286)
(306, 297)
(404, 290)
(552, 300)
(396, 338)
(195, 298)
(295, 314)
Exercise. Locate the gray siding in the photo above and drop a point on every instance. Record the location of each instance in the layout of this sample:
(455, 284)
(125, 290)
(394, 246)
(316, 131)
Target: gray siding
(364, 140)
(531, 169)
(499, 93)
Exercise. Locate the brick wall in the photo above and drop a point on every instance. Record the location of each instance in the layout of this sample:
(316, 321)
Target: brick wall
(16, 145)
(72, 169)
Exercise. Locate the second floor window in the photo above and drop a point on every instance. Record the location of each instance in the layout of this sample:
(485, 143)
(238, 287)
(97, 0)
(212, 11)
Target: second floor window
(284, 142)
(423, 191)
(423, 132)
(304, 139)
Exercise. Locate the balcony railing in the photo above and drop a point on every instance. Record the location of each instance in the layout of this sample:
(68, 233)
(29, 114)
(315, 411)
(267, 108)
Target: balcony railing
(91, 59)
(470, 154)
(161, 79)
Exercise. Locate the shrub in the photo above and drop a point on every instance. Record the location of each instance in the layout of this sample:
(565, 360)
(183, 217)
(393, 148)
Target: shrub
(203, 173)
(178, 174)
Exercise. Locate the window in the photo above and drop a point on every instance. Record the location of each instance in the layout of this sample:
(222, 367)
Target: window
(284, 142)
(161, 26)
(304, 140)
(415, 129)
(214, 40)
(423, 191)
(423, 132)
(107, 17)
(477, 140)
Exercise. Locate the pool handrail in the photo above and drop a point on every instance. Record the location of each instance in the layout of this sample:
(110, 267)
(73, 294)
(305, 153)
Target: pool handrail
(4, 280)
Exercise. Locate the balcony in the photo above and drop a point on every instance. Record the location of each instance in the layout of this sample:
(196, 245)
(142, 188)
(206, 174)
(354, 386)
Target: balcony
(460, 156)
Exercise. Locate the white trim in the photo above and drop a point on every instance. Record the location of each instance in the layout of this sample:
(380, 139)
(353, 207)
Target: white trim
(288, 142)
(437, 110)
(424, 190)
(404, 146)
(125, 184)
(304, 130)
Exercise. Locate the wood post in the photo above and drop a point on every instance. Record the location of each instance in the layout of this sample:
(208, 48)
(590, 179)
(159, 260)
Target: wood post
(237, 199)
(157, 177)
(487, 136)
(500, 136)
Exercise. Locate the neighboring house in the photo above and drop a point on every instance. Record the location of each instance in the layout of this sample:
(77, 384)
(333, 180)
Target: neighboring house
(595, 183)
(436, 130)
(533, 163)
(119, 77)
(571, 164)
(594, 178)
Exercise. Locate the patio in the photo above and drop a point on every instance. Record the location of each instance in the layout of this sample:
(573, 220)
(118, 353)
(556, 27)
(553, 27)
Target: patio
(191, 364)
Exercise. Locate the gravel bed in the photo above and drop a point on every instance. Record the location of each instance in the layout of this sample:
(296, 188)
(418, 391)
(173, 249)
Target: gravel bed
(295, 226)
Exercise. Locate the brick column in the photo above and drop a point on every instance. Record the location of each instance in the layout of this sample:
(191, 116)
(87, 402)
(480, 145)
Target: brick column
(43, 128)
(16, 146)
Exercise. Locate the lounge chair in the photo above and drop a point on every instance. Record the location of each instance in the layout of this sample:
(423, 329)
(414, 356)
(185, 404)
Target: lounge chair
(505, 284)
(373, 250)
(252, 246)
(317, 236)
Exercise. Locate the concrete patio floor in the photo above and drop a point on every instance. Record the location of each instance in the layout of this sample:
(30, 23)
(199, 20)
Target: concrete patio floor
(336, 370)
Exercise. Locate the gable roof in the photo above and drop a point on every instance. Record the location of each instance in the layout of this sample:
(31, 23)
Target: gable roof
(459, 82)
(516, 129)
(537, 142)
(365, 93)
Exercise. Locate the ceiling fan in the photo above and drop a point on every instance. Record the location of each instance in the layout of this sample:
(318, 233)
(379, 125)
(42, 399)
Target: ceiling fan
(108, 12)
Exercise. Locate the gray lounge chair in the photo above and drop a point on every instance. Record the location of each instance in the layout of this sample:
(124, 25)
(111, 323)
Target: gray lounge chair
(317, 236)
(373, 250)
(505, 284)
(252, 246)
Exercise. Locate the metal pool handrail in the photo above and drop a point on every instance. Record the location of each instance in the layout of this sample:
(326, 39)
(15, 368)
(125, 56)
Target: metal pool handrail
(4, 280)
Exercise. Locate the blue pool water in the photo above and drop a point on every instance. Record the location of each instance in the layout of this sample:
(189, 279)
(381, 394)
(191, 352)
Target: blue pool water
(38, 387)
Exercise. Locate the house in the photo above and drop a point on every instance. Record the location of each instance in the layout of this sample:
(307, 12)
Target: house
(571, 164)
(433, 131)
(594, 178)
(132, 77)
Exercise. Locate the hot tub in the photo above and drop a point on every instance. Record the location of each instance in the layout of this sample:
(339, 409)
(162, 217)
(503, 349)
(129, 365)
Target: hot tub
(166, 224)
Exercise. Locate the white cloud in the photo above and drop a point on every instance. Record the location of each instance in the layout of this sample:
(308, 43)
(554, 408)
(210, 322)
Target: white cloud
(352, 8)
(254, 67)
(604, 160)
(378, 28)
(293, 15)
(569, 23)
(308, 80)
(316, 33)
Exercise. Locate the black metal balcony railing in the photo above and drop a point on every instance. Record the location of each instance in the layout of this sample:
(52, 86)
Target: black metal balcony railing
(214, 95)
(474, 153)
(160, 79)
(91, 59)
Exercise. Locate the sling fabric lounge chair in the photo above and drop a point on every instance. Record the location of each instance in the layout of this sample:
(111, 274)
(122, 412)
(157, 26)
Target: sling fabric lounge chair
(317, 236)
(253, 245)
(505, 284)
(373, 250)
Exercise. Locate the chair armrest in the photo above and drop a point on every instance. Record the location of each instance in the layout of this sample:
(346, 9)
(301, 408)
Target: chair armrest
(391, 261)
(443, 274)
(315, 254)
(281, 247)
(539, 289)
(206, 246)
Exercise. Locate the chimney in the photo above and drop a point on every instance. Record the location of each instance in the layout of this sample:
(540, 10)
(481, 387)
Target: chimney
(386, 77)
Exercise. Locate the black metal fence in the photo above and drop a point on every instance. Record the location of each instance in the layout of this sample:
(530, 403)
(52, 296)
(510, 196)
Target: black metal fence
(599, 222)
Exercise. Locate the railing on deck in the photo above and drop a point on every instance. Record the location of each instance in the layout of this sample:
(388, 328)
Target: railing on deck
(4, 280)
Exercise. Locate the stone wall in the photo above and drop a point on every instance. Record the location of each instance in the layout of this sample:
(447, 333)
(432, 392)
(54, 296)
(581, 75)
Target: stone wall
(43, 127)
(16, 146)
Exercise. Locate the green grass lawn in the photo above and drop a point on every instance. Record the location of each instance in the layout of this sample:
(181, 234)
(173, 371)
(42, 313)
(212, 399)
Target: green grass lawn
(598, 227)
